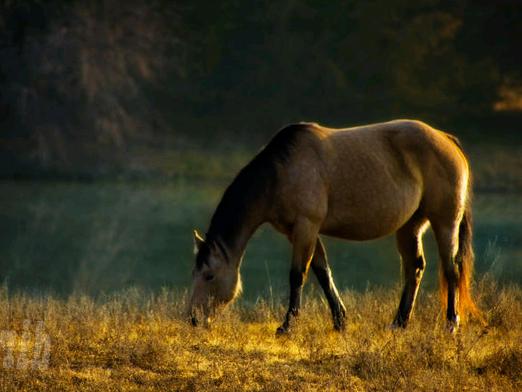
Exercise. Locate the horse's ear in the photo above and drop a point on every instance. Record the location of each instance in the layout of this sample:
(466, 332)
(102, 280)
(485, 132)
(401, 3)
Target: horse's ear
(198, 241)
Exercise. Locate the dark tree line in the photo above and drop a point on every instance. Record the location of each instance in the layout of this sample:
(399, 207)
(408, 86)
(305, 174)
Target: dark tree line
(84, 84)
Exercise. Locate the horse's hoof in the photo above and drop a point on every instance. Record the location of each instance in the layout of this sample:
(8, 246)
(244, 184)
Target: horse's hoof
(339, 325)
(398, 323)
(453, 328)
(280, 331)
(453, 325)
(396, 327)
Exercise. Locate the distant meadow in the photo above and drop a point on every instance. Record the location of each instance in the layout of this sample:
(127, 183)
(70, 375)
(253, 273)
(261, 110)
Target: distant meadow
(101, 237)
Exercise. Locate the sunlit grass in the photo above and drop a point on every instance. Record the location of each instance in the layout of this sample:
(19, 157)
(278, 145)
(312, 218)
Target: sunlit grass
(135, 340)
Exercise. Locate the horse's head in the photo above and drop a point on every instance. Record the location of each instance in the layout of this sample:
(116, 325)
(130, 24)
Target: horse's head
(215, 279)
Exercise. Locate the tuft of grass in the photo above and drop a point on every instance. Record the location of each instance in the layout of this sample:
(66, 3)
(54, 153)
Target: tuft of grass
(135, 340)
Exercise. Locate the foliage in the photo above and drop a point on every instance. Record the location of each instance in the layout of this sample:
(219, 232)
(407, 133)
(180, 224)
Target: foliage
(92, 86)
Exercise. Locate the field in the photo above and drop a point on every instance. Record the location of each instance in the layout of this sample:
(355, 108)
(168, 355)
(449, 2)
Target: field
(138, 341)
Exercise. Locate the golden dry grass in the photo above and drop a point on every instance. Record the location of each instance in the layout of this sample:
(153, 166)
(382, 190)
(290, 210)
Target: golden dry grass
(137, 341)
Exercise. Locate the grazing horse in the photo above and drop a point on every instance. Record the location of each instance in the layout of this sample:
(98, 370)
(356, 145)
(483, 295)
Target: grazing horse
(356, 183)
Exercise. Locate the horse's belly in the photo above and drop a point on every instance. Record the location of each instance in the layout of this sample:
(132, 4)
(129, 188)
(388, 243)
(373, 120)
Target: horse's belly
(359, 231)
(370, 219)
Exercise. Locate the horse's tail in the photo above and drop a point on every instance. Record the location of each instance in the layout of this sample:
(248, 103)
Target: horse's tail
(465, 259)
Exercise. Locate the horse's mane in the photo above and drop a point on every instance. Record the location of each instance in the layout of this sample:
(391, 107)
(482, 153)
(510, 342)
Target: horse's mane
(253, 185)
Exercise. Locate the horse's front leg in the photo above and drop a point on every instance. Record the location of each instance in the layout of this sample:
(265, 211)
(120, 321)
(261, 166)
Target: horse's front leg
(324, 275)
(303, 239)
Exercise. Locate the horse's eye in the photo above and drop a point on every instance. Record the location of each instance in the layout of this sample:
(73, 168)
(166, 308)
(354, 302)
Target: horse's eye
(209, 277)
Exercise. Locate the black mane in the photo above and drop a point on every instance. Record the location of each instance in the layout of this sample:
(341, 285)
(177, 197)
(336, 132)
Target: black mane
(253, 185)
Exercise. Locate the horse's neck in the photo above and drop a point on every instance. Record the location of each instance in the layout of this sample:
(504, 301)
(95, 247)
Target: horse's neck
(237, 246)
(235, 234)
(243, 208)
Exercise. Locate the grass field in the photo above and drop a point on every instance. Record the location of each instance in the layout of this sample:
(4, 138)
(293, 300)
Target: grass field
(138, 341)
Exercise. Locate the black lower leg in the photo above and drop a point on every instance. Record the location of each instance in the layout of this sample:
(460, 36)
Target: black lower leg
(337, 308)
(296, 286)
(403, 313)
(413, 276)
(451, 311)
(303, 237)
(452, 275)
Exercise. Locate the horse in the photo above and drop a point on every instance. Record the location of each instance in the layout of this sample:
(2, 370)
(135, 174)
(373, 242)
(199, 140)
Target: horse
(357, 183)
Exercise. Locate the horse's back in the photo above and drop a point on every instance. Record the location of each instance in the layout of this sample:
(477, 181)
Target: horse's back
(366, 182)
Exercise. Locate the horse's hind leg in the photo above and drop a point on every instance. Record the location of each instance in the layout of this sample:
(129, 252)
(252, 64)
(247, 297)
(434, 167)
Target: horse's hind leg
(447, 241)
(304, 237)
(324, 276)
(409, 243)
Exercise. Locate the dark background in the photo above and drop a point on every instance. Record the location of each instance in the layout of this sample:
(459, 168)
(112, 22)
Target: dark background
(104, 88)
